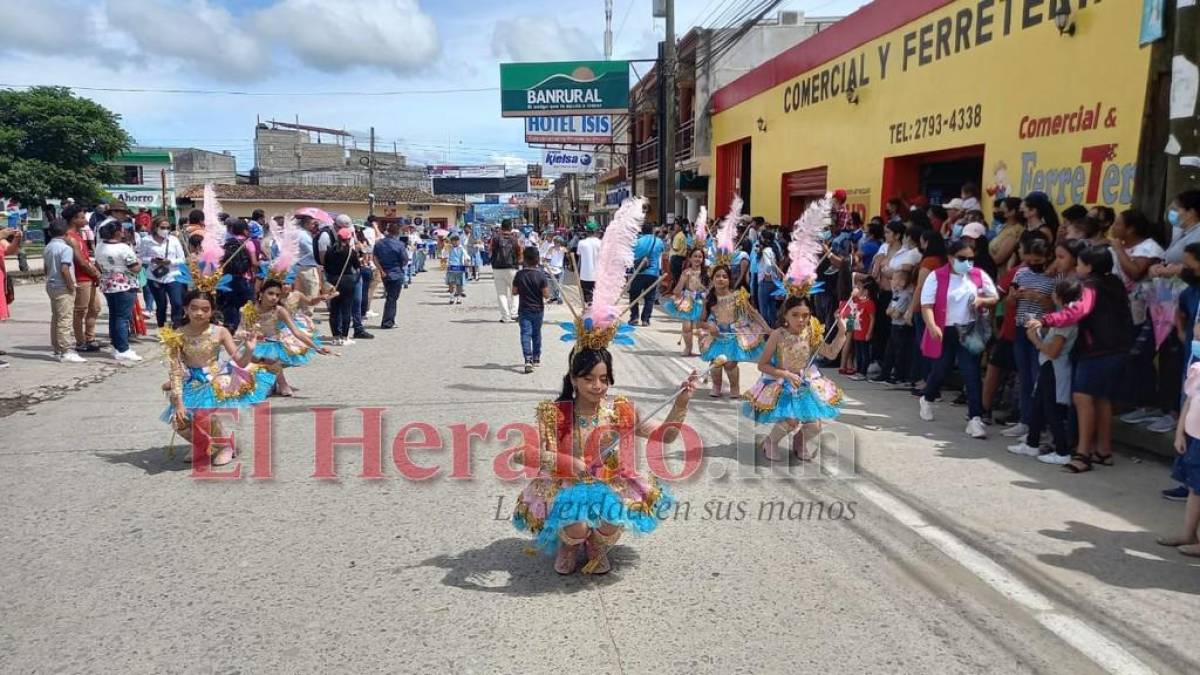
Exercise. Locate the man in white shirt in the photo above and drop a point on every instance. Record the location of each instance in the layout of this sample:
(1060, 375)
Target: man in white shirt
(589, 255)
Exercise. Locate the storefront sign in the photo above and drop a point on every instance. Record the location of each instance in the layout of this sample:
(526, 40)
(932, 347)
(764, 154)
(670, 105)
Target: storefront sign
(930, 41)
(1152, 21)
(139, 199)
(556, 162)
(574, 129)
(615, 196)
(539, 184)
(483, 171)
(564, 88)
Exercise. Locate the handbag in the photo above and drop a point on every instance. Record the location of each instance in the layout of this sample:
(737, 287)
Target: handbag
(976, 335)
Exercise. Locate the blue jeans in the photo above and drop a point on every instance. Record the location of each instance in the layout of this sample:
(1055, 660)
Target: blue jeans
(356, 311)
(174, 292)
(531, 335)
(1026, 356)
(640, 284)
(240, 292)
(391, 289)
(120, 311)
(968, 367)
(862, 356)
(767, 306)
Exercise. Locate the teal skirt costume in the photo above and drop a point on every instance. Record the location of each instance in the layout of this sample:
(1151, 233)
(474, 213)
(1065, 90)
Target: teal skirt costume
(730, 345)
(690, 307)
(284, 348)
(231, 387)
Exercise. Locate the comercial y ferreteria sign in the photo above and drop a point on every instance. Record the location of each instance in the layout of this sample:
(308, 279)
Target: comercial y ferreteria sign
(573, 129)
(564, 88)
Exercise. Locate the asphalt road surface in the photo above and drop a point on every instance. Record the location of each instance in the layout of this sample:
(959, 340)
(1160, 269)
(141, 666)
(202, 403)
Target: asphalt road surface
(911, 548)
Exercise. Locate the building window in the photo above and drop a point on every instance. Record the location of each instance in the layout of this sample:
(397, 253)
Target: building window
(131, 175)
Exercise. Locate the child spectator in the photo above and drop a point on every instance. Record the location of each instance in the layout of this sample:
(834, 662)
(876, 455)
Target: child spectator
(864, 307)
(899, 344)
(532, 288)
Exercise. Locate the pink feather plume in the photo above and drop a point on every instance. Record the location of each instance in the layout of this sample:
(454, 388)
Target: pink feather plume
(213, 247)
(806, 250)
(616, 256)
(727, 230)
(287, 239)
(701, 233)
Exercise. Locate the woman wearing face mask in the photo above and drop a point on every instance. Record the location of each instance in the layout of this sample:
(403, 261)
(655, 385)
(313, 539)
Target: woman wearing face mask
(951, 300)
(1003, 246)
(160, 254)
(1184, 220)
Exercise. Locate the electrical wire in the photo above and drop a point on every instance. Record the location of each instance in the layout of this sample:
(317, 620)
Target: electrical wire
(229, 92)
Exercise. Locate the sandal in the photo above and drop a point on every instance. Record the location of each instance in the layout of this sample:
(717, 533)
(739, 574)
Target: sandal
(598, 544)
(567, 557)
(1078, 464)
(1103, 460)
(1191, 550)
(232, 456)
(715, 393)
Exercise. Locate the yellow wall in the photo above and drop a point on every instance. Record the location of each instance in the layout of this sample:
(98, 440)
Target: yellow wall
(356, 210)
(1029, 72)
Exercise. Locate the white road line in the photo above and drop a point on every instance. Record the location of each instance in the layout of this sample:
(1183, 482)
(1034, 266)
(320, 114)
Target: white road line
(1089, 641)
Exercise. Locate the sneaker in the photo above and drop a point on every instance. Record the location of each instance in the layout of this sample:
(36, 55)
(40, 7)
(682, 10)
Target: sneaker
(1015, 431)
(127, 355)
(874, 370)
(1162, 425)
(346, 342)
(536, 362)
(1140, 415)
(528, 367)
(92, 346)
(858, 377)
(3, 364)
(1054, 458)
(975, 428)
(926, 410)
(372, 315)
(645, 324)
(1023, 449)
(987, 419)
(1179, 494)
(363, 335)
(71, 357)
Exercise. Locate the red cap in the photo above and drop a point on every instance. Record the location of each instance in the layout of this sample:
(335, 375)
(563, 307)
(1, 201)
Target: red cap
(839, 194)
(344, 233)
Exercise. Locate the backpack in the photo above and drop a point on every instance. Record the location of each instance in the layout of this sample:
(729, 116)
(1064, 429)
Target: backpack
(505, 255)
(236, 260)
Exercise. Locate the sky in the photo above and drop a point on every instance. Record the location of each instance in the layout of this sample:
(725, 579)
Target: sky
(323, 60)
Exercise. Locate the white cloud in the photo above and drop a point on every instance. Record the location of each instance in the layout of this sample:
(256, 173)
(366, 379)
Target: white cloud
(512, 163)
(199, 34)
(393, 35)
(529, 38)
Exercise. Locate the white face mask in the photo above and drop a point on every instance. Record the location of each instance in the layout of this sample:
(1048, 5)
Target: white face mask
(162, 232)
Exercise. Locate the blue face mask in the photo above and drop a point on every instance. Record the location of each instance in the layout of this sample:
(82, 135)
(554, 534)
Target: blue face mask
(826, 235)
(1196, 349)
(1173, 218)
(957, 231)
(963, 266)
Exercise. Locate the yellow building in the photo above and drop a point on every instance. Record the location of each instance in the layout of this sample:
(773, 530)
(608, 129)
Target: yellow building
(390, 203)
(920, 96)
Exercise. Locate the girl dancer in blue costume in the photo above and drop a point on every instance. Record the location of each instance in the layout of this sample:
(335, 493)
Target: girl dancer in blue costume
(687, 301)
(284, 344)
(735, 330)
(199, 380)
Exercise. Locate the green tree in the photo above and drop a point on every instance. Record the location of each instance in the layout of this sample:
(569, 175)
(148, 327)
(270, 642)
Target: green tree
(51, 145)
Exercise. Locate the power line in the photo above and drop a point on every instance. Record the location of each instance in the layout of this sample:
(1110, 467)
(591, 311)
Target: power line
(229, 92)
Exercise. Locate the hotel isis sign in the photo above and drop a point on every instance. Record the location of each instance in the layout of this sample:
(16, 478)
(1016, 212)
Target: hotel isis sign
(564, 88)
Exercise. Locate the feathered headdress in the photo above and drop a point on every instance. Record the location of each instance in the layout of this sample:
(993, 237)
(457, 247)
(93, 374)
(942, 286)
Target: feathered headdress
(727, 233)
(805, 251)
(205, 271)
(701, 230)
(287, 243)
(601, 324)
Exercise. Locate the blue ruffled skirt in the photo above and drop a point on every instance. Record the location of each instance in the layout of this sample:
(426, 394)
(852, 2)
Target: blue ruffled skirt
(275, 350)
(726, 344)
(809, 403)
(547, 505)
(238, 389)
(692, 313)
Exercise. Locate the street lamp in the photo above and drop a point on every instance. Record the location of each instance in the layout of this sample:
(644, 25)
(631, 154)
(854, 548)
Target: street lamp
(1062, 19)
(762, 125)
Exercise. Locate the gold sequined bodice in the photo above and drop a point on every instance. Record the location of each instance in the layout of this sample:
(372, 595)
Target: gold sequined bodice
(266, 323)
(725, 311)
(794, 351)
(693, 282)
(201, 349)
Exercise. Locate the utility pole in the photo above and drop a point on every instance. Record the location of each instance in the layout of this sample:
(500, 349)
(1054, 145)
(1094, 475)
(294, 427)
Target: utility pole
(371, 176)
(666, 138)
(608, 36)
(163, 175)
(1183, 169)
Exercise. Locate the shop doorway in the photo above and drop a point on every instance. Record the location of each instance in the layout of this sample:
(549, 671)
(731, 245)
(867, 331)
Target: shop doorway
(733, 176)
(799, 189)
(939, 176)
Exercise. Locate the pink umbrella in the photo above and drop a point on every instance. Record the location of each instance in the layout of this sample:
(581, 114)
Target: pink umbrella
(440, 232)
(316, 214)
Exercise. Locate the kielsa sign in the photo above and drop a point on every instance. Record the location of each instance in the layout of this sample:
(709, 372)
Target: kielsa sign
(564, 88)
(566, 161)
(573, 129)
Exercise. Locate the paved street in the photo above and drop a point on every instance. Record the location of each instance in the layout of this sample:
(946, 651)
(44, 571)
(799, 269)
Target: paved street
(948, 555)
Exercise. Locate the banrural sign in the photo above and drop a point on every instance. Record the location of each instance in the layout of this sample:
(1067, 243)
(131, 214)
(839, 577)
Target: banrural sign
(564, 88)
